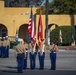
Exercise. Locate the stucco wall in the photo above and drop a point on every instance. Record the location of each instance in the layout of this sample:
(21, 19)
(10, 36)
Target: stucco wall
(13, 18)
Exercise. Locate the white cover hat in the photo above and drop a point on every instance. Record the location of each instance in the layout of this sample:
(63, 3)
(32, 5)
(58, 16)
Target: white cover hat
(20, 40)
(3, 37)
(6, 36)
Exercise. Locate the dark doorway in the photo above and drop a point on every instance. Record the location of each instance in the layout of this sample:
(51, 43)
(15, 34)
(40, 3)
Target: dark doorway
(3, 30)
(23, 31)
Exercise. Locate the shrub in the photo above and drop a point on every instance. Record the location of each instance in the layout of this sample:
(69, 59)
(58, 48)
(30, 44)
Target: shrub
(13, 44)
(66, 35)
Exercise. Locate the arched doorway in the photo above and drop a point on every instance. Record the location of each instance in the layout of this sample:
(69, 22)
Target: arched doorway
(52, 26)
(3, 30)
(23, 31)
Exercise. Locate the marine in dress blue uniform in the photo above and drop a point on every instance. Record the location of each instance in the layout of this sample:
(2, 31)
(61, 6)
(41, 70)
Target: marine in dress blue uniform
(32, 57)
(25, 59)
(7, 46)
(53, 49)
(20, 54)
(41, 54)
(3, 52)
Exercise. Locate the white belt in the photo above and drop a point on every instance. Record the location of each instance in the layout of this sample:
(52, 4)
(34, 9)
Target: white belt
(26, 51)
(52, 52)
(31, 51)
(39, 50)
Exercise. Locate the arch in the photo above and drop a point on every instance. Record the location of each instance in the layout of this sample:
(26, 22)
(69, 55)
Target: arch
(3, 30)
(23, 31)
(50, 25)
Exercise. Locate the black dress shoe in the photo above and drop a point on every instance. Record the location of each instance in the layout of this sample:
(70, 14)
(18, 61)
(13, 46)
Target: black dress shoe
(24, 68)
(41, 68)
(20, 72)
(50, 69)
(32, 68)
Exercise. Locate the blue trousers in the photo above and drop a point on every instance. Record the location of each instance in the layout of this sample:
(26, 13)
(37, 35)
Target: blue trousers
(20, 59)
(7, 51)
(0, 51)
(53, 60)
(41, 59)
(32, 60)
(25, 61)
(3, 51)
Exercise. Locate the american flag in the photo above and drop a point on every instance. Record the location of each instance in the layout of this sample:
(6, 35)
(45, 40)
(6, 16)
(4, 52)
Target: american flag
(40, 30)
(31, 29)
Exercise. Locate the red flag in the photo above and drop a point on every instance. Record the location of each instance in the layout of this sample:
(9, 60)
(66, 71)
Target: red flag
(40, 31)
(31, 28)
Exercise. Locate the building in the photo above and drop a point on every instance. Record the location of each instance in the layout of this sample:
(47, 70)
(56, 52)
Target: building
(12, 19)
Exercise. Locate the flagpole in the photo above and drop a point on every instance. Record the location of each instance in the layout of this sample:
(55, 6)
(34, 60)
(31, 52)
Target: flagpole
(46, 22)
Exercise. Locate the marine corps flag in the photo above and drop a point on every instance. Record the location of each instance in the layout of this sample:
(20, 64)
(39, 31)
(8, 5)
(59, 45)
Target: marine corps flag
(40, 30)
(60, 36)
